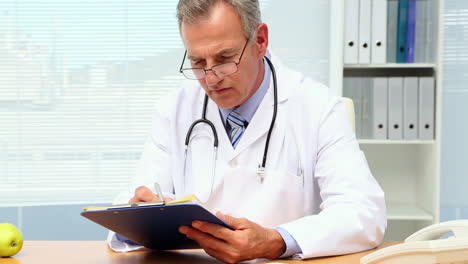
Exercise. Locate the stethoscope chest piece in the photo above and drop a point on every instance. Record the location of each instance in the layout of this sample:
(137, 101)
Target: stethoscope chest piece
(260, 173)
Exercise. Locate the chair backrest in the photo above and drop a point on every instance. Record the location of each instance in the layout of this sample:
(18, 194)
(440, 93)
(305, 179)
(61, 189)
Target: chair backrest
(350, 109)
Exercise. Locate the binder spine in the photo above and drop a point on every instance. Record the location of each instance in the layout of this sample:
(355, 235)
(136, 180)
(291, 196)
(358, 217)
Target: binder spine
(410, 108)
(426, 108)
(402, 28)
(367, 113)
(379, 109)
(420, 31)
(410, 31)
(430, 31)
(364, 31)
(352, 89)
(395, 108)
(351, 27)
(392, 30)
(379, 31)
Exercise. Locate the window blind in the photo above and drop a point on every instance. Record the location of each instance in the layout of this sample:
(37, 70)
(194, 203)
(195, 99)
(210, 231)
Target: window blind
(79, 81)
(454, 146)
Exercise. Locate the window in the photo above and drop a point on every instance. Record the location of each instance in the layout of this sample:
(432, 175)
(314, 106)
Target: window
(78, 84)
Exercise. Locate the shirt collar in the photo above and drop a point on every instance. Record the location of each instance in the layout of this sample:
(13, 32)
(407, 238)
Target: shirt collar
(249, 107)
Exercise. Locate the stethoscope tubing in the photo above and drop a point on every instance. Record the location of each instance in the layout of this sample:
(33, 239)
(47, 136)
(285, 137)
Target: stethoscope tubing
(275, 110)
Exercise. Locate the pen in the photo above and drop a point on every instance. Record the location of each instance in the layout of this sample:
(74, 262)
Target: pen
(158, 191)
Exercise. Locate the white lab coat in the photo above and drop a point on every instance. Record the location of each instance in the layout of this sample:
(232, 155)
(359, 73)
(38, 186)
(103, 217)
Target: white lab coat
(317, 183)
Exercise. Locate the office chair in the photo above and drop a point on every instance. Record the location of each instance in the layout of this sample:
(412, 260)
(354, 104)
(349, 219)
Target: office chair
(350, 109)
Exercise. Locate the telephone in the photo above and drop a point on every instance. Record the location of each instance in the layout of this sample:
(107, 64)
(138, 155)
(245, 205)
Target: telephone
(425, 246)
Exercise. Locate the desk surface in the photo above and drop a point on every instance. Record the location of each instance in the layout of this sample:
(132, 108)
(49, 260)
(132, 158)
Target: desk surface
(97, 252)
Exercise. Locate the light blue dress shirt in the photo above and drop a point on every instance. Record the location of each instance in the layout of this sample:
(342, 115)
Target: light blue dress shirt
(247, 111)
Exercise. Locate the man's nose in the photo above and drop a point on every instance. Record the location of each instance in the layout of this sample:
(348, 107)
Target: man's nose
(211, 78)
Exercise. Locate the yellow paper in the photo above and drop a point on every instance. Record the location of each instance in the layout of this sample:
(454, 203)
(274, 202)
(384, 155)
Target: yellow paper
(186, 199)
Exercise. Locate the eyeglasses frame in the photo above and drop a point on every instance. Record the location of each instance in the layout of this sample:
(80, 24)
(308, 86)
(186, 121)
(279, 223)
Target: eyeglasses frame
(181, 70)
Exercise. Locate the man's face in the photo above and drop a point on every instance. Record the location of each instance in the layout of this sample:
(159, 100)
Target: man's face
(219, 39)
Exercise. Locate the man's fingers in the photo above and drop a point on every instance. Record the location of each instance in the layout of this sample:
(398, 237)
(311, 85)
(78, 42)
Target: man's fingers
(215, 230)
(206, 241)
(236, 223)
(144, 194)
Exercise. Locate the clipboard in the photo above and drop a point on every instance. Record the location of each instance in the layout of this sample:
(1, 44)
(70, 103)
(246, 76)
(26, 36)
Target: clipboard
(154, 225)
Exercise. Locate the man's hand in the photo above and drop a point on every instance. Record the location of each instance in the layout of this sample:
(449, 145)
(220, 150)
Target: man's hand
(144, 194)
(248, 241)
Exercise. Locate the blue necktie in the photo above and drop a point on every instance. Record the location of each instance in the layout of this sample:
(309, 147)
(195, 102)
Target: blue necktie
(237, 124)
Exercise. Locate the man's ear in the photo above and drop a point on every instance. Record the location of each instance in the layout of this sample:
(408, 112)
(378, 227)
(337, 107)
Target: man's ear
(261, 41)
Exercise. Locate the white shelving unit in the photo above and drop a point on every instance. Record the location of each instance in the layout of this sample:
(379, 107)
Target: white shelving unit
(395, 142)
(408, 171)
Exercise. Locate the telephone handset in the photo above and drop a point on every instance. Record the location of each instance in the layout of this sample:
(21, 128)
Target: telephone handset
(425, 246)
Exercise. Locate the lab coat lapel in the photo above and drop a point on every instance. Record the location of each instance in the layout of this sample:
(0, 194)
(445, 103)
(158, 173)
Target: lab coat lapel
(259, 124)
(261, 121)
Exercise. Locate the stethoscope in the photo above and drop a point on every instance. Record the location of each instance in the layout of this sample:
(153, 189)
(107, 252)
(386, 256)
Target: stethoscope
(204, 120)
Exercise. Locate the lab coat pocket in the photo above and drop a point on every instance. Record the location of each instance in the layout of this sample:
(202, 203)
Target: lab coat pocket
(282, 198)
(287, 181)
(296, 171)
(294, 164)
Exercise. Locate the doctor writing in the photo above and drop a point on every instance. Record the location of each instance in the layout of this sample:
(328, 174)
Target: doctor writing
(288, 174)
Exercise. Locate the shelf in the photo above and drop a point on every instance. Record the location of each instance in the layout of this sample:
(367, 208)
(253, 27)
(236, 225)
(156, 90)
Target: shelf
(394, 142)
(392, 66)
(389, 69)
(407, 212)
(408, 171)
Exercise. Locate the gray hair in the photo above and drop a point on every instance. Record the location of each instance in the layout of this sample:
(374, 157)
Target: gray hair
(191, 11)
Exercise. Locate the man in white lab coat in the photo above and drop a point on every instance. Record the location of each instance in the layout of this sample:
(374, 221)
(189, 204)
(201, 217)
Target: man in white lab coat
(317, 196)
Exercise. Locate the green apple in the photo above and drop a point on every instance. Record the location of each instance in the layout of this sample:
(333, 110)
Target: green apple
(11, 240)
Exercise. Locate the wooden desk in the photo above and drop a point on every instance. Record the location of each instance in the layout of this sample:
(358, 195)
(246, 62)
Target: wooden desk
(97, 252)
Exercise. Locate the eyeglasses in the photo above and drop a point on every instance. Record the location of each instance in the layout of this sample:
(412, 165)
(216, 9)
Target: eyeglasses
(220, 70)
